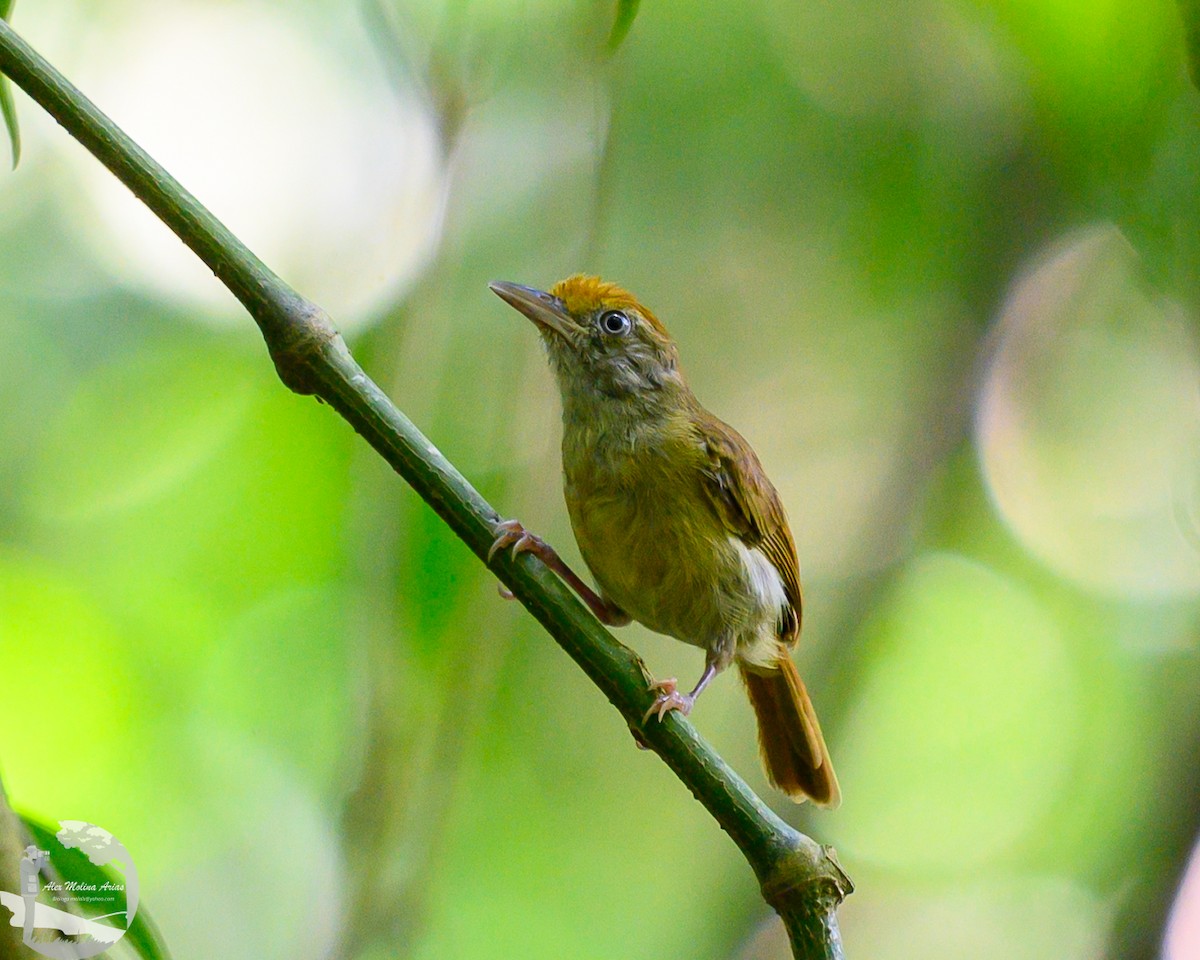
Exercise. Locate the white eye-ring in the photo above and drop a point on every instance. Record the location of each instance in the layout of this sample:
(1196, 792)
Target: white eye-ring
(614, 322)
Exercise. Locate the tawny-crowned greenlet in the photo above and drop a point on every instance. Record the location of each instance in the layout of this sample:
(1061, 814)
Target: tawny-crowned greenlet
(674, 517)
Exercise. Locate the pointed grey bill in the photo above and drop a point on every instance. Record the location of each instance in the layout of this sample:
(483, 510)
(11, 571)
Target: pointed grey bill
(544, 309)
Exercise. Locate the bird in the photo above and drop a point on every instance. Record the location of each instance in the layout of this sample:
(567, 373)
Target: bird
(674, 517)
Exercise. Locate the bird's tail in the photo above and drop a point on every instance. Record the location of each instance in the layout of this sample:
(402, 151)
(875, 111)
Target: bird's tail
(789, 736)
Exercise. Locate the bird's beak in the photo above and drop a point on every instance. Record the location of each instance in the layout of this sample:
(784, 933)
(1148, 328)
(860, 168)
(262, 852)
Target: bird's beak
(542, 308)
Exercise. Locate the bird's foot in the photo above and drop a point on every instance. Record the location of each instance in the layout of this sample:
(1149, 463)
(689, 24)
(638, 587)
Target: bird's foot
(511, 533)
(669, 698)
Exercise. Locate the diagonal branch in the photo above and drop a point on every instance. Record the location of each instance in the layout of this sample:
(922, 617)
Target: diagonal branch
(798, 877)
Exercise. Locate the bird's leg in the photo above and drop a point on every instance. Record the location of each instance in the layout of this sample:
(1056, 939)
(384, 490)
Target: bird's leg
(669, 698)
(511, 533)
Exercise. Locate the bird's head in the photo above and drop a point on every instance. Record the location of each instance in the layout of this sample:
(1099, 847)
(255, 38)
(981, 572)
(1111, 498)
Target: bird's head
(602, 343)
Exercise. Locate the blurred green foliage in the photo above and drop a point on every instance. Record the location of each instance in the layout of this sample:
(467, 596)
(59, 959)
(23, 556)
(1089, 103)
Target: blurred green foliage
(936, 260)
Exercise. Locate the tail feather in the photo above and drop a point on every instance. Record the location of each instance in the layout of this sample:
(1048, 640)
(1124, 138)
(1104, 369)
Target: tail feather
(789, 736)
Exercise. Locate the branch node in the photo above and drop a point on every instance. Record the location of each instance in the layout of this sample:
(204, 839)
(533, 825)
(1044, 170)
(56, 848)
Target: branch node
(806, 881)
(296, 341)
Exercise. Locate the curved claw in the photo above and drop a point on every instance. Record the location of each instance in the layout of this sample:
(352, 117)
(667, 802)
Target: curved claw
(507, 532)
(669, 698)
(528, 543)
(511, 533)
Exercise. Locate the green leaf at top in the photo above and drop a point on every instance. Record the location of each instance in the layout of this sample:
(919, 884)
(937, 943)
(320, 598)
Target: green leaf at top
(7, 107)
(143, 934)
(626, 13)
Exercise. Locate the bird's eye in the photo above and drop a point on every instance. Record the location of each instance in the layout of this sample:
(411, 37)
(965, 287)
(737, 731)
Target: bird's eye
(615, 322)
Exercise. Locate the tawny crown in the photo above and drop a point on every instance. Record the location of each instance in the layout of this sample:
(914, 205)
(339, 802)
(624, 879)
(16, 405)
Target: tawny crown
(583, 295)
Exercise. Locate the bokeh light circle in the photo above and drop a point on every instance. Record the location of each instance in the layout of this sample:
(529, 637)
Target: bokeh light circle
(325, 172)
(1088, 426)
(964, 724)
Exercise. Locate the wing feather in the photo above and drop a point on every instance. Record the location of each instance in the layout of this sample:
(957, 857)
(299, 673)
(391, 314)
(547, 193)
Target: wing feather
(750, 508)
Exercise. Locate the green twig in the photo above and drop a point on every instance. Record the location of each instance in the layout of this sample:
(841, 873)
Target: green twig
(8, 109)
(1189, 10)
(798, 877)
(627, 11)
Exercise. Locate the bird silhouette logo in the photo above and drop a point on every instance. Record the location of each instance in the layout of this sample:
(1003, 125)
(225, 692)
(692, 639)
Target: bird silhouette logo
(66, 913)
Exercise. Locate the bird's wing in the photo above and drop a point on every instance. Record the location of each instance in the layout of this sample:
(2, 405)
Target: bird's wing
(748, 505)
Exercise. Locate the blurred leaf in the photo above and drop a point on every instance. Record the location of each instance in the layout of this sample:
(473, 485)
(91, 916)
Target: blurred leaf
(143, 934)
(627, 11)
(50, 624)
(248, 681)
(6, 101)
(1190, 11)
(167, 411)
